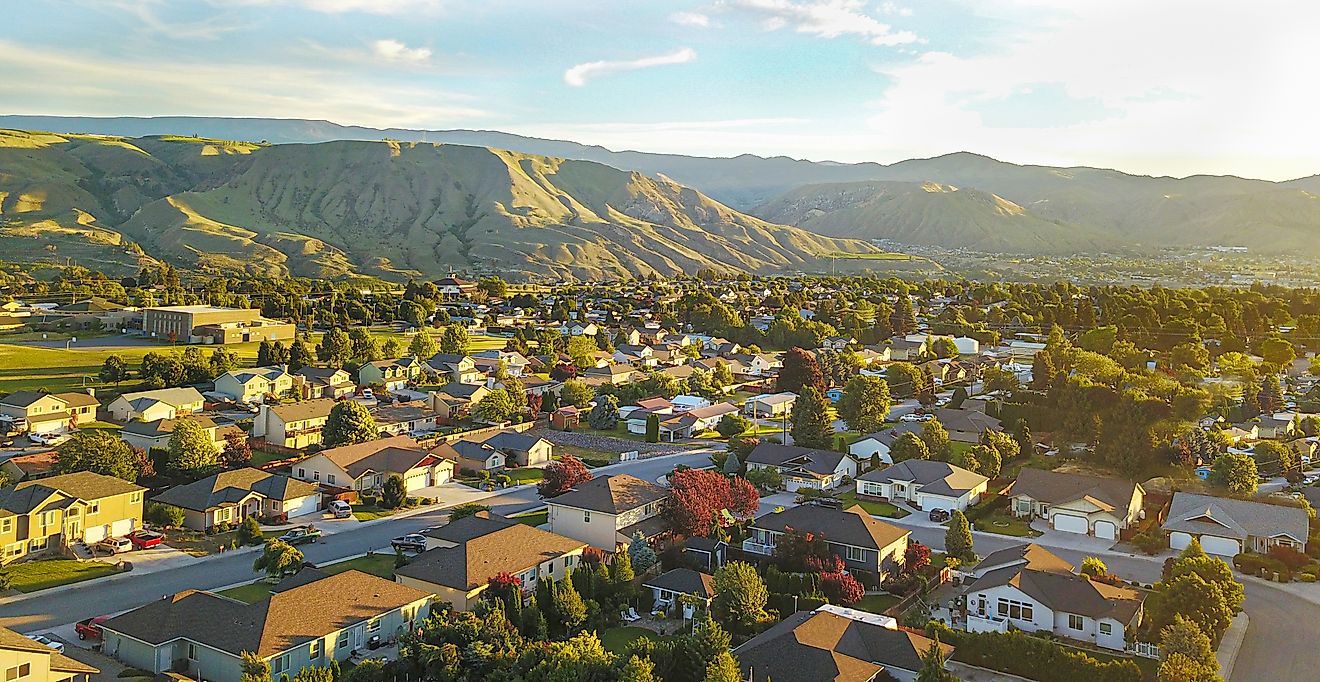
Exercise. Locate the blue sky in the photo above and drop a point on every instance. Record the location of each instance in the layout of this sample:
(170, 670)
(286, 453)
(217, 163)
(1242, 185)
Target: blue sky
(1171, 87)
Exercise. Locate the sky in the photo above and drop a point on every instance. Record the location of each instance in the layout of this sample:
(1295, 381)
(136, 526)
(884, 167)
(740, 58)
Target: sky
(1169, 87)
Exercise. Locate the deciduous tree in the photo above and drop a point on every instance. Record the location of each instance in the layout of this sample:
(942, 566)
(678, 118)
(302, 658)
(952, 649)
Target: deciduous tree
(865, 403)
(800, 370)
(698, 498)
(97, 451)
(191, 449)
(349, 423)
(562, 475)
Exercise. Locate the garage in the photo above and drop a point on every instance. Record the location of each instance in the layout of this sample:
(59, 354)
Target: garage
(1106, 530)
(928, 502)
(303, 506)
(95, 534)
(123, 527)
(1070, 524)
(1179, 540)
(1220, 546)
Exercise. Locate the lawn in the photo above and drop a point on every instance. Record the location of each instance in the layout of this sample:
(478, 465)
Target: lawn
(1004, 523)
(533, 518)
(620, 432)
(200, 544)
(617, 639)
(376, 564)
(249, 593)
(41, 574)
(876, 603)
(261, 457)
(525, 475)
(872, 507)
(368, 512)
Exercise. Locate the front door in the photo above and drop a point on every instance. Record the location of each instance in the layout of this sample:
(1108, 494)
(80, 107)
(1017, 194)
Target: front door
(357, 638)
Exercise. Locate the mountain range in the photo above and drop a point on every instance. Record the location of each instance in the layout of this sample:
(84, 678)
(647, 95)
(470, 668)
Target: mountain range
(390, 209)
(959, 200)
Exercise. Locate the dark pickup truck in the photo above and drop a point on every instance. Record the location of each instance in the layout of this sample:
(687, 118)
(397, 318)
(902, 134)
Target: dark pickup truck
(302, 534)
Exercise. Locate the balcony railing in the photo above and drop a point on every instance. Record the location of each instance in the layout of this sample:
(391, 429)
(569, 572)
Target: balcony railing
(755, 547)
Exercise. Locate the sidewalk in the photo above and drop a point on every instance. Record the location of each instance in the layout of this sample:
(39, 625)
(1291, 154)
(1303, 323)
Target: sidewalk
(1231, 644)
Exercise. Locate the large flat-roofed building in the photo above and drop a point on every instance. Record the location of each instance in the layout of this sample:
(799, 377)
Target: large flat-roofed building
(209, 324)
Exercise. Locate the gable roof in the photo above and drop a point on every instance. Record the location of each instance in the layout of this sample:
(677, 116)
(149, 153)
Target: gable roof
(275, 624)
(25, 398)
(611, 494)
(1056, 487)
(396, 454)
(185, 395)
(229, 487)
(684, 581)
(161, 427)
(84, 485)
(808, 460)
(1226, 517)
(937, 478)
(851, 526)
(485, 547)
(824, 646)
(317, 408)
(1063, 591)
(966, 421)
(513, 441)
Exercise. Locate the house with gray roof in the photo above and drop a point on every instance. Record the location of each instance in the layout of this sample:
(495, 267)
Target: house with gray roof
(162, 403)
(232, 496)
(1227, 527)
(1102, 506)
(607, 511)
(861, 541)
(668, 587)
(926, 484)
(803, 467)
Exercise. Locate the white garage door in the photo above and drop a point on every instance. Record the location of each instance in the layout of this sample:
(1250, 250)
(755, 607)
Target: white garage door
(1070, 524)
(1220, 546)
(1179, 540)
(121, 528)
(94, 534)
(929, 502)
(1106, 530)
(414, 482)
(304, 506)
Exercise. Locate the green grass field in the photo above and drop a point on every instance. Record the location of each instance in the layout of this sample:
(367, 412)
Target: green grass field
(872, 507)
(41, 574)
(532, 518)
(617, 639)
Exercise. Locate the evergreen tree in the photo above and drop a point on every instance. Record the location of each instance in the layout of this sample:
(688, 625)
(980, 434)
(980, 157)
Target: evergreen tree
(299, 355)
(811, 422)
(904, 318)
(349, 423)
(958, 537)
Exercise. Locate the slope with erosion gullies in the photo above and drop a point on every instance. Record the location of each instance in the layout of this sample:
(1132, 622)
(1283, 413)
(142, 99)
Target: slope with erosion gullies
(391, 208)
(928, 213)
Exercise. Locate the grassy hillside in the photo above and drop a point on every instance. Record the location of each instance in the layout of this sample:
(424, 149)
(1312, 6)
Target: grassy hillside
(381, 208)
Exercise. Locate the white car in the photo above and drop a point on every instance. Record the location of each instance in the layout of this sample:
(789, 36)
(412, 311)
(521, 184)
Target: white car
(43, 639)
(116, 545)
(914, 417)
(48, 438)
(368, 394)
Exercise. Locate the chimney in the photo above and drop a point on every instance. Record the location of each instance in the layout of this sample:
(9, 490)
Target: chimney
(91, 391)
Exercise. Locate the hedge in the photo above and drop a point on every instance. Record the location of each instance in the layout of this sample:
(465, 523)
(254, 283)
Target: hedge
(1251, 564)
(988, 504)
(791, 583)
(786, 605)
(1036, 658)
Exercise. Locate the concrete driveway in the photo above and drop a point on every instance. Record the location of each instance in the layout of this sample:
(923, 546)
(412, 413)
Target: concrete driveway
(1075, 541)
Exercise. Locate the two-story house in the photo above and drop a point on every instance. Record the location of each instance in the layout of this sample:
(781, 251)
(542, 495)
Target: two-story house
(1227, 527)
(803, 467)
(38, 412)
(293, 425)
(58, 511)
(157, 434)
(1028, 588)
(253, 385)
(862, 542)
(392, 374)
(366, 466)
(607, 511)
(307, 623)
(462, 556)
(162, 403)
(325, 382)
(229, 497)
(1076, 503)
(27, 660)
(459, 369)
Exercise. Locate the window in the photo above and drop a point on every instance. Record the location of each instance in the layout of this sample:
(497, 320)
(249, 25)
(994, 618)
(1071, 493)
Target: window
(316, 475)
(1076, 622)
(50, 518)
(330, 478)
(1015, 610)
(586, 517)
(342, 641)
(38, 544)
(135, 497)
(315, 650)
(302, 473)
(279, 664)
(1106, 629)
(373, 625)
(6, 525)
(94, 508)
(18, 672)
(14, 550)
(192, 651)
(854, 553)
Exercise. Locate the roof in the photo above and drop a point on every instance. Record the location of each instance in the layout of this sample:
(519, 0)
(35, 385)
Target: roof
(823, 646)
(397, 454)
(12, 641)
(486, 546)
(1226, 517)
(851, 526)
(1032, 555)
(305, 409)
(454, 389)
(934, 477)
(611, 494)
(35, 462)
(1055, 487)
(684, 581)
(85, 485)
(24, 398)
(229, 487)
(275, 624)
(514, 441)
(822, 462)
(966, 421)
(78, 399)
(1039, 577)
(185, 395)
(161, 427)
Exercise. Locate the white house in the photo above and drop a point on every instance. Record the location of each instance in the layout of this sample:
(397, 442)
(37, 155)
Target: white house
(163, 403)
(927, 484)
(606, 512)
(1227, 527)
(253, 385)
(803, 467)
(769, 405)
(683, 403)
(1075, 503)
(366, 466)
(1028, 588)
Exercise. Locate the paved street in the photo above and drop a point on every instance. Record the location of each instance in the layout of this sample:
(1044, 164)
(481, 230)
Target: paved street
(128, 590)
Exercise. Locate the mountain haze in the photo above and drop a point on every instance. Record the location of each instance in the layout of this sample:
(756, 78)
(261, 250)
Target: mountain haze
(382, 208)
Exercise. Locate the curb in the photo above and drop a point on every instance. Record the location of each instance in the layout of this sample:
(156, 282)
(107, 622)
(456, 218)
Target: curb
(1231, 644)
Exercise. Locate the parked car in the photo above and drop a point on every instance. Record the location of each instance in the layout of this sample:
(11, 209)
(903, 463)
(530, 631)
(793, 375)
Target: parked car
(48, 641)
(940, 515)
(48, 438)
(89, 628)
(368, 394)
(412, 542)
(301, 535)
(116, 545)
(145, 539)
(341, 509)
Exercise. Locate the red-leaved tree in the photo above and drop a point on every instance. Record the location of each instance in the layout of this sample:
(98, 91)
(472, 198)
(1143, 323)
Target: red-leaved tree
(698, 496)
(562, 475)
(915, 558)
(841, 588)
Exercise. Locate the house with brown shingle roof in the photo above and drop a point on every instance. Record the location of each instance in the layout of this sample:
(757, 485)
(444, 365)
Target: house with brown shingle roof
(607, 511)
(28, 660)
(366, 466)
(232, 496)
(464, 555)
(203, 635)
(293, 425)
(1076, 503)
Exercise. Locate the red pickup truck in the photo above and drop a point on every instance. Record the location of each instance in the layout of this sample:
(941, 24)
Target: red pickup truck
(89, 628)
(143, 539)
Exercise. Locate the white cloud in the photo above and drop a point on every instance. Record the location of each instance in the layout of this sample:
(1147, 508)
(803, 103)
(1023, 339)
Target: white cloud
(690, 19)
(825, 19)
(578, 75)
(893, 8)
(395, 51)
(381, 7)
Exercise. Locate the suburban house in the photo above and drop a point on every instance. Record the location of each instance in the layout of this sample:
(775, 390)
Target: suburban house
(834, 644)
(465, 393)
(520, 448)
(1028, 588)
(607, 511)
(1075, 503)
(27, 660)
(229, 497)
(610, 374)
(965, 426)
(470, 457)
(683, 403)
(515, 363)
(58, 511)
(462, 556)
(325, 382)
(459, 369)
(769, 405)
(695, 421)
(803, 467)
(37, 412)
(30, 465)
(201, 635)
(763, 364)
(162, 403)
(926, 484)
(880, 442)
(669, 587)
(366, 466)
(405, 418)
(392, 374)
(862, 542)
(293, 425)
(253, 385)
(907, 351)
(152, 435)
(1227, 527)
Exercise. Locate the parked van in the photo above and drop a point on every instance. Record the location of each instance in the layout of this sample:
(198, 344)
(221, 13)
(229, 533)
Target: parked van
(341, 509)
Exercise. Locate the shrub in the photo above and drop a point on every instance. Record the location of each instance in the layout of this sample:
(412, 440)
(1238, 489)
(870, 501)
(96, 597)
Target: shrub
(1306, 577)
(988, 505)
(1035, 658)
(249, 532)
(1290, 557)
(1254, 563)
(1150, 542)
(163, 515)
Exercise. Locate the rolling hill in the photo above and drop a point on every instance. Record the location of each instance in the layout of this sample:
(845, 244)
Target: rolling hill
(382, 208)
